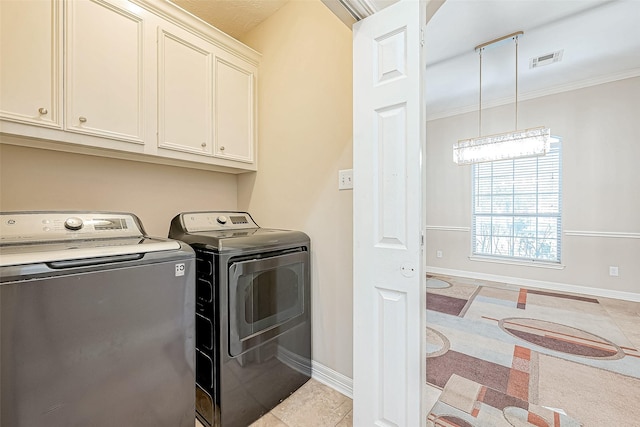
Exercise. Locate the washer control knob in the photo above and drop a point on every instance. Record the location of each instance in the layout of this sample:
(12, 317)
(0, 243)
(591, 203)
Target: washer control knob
(73, 223)
(222, 219)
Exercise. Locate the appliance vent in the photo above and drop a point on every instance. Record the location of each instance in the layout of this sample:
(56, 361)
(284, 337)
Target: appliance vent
(547, 59)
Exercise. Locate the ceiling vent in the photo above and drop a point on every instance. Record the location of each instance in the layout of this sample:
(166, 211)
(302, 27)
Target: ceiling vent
(547, 59)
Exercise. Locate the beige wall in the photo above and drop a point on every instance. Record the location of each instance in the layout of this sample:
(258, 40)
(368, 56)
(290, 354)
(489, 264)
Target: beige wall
(305, 137)
(601, 185)
(34, 179)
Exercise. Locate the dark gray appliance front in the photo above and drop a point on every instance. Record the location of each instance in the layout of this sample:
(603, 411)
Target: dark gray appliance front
(97, 323)
(253, 319)
(112, 346)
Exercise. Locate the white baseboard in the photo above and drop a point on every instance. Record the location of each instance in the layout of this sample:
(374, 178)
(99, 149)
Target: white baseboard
(598, 292)
(333, 379)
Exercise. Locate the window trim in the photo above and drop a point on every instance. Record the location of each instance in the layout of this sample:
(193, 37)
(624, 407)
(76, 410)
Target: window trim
(518, 261)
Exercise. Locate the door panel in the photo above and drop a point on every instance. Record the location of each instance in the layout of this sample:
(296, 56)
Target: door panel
(388, 274)
(104, 81)
(184, 97)
(234, 109)
(30, 73)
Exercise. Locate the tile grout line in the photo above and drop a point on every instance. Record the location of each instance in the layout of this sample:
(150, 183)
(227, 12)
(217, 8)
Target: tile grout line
(342, 419)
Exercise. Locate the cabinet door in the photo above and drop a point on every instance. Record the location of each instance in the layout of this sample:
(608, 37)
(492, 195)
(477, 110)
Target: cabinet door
(30, 35)
(184, 92)
(234, 109)
(104, 83)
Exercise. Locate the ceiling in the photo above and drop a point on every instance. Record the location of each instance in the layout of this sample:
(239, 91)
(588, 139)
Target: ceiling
(234, 17)
(599, 40)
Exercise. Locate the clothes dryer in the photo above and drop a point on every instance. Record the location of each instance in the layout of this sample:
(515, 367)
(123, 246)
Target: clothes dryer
(253, 314)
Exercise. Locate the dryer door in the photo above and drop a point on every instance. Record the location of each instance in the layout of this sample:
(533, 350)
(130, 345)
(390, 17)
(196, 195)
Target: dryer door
(267, 296)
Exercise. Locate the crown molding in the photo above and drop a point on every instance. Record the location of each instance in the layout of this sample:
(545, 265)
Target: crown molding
(575, 85)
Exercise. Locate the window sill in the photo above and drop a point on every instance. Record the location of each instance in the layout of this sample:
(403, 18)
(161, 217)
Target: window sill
(537, 264)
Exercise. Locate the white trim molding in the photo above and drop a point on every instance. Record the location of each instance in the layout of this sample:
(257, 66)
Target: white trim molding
(574, 85)
(447, 228)
(541, 284)
(607, 234)
(524, 263)
(331, 378)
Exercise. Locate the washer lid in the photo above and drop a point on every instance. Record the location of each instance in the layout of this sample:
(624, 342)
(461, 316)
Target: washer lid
(37, 237)
(35, 253)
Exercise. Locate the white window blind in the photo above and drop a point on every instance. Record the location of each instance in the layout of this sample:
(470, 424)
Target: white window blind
(517, 207)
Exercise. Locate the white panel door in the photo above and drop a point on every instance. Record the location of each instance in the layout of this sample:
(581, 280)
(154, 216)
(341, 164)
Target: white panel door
(104, 83)
(30, 61)
(388, 273)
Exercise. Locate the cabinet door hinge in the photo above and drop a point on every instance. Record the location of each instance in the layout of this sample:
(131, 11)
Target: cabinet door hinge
(421, 37)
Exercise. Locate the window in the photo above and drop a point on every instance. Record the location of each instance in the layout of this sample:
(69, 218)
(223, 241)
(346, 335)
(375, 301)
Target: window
(517, 207)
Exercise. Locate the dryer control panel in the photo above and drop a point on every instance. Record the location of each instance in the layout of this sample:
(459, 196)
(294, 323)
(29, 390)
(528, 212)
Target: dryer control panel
(216, 221)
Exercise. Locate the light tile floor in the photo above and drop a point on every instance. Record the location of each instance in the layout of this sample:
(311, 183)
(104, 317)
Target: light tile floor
(312, 405)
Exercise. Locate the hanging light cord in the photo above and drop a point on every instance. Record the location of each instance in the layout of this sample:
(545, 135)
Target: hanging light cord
(516, 40)
(480, 101)
(480, 48)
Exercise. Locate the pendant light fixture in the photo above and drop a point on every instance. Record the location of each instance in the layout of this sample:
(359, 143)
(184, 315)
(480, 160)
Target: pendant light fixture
(509, 145)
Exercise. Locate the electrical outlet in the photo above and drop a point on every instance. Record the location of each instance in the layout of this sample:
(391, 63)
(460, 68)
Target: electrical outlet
(345, 179)
(438, 254)
(613, 271)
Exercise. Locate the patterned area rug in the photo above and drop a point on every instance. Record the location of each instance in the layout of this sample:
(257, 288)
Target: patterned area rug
(503, 355)
(464, 403)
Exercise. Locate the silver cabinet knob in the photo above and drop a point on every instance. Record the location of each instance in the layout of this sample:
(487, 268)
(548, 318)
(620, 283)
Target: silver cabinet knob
(222, 148)
(82, 119)
(43, 111)
(203, 145)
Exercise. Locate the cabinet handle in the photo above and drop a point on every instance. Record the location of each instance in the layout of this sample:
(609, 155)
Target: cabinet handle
(203, 145)
(222, 148)
(42, 111)
(82, 119)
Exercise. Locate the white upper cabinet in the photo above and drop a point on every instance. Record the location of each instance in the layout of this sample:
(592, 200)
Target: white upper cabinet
(235, 109)
(185, 101)
(104, 71)
(30, 66)
(143, 80)
(206, 98)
